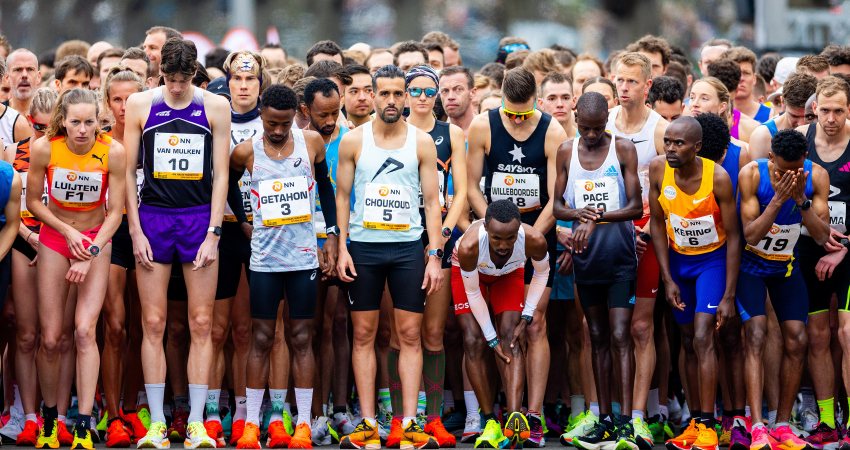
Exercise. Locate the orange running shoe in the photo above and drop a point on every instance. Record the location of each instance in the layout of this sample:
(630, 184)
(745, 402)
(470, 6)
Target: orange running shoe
(236, 431)
(29, 435)
(707, 439)
(138, 428)
(302, 438)
(278, 437)
(250, 436)
(436, 428)
(215, 431)
(685, 440)
(363, 436)
(117, 434)
(65, 436)
(396, 432)
(414, 437)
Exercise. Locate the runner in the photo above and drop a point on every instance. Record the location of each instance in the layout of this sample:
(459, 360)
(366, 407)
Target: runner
(457, 88)
(182, 133)
(155, 39)
(284, 165)
(656, 50)
(357, 98)
(586, 67)
(518, 145)
(728, 73)
(709, 95)
(80, 162)
(386, 243)
(779, 195)
(557, 99)
(598, 185)
(666, 97)
(795, 91)
(744, 95)
(497, 248)
(72, 72)
(602, 86)
(24, 78)
(697, 260)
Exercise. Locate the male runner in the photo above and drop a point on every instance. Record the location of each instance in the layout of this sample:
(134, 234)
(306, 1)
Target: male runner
(72, 72)
(558, 100)
(24, 79)
(457, 88)
(744, 97)
(796, 90)
(598, 190)
(711, 52)
(657, 51)
(385, 161)
(497, 248)
(182, 133)
(155, 39)
(779, 195)
(324, 51)
(409, 54)
(518, 145)
(357, 98)
(693, 196)
(666, 96)
(13, 125)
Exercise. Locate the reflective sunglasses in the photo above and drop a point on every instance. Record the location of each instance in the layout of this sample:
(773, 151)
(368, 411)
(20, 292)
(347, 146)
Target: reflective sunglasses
(40, 127)
(514, 115)
(417, 92)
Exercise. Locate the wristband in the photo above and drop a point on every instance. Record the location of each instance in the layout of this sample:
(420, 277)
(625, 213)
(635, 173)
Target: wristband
(527, 318)
(492, 343)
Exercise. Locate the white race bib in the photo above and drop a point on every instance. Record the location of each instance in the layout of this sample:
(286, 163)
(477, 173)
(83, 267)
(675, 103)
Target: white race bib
(76, 189)
(285, 201)
(245, 190)
(643, 177)
(693, 233)
(778, 244)
(523, 189)
(602, 193)
(24, 211)
(441, 185)
(178, 156)
(386, 207)
(837, 215)
(320, 225)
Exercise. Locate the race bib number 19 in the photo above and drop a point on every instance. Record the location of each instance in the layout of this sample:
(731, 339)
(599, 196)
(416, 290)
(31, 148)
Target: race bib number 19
(178, 156)
(285, 201)
(386, 207)
(778, 244)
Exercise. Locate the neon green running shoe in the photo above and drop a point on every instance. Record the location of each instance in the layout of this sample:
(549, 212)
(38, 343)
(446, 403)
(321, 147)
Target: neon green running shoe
(492, 436)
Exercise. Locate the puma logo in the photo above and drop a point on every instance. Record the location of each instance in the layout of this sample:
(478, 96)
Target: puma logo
(99, 158)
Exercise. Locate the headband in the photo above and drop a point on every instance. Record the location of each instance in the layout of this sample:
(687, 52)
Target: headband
(421, 71)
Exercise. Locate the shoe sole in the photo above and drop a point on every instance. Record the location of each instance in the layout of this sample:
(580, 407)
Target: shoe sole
(487, 444)
(347, 444)
(642, 443)
(672, 446)
(467, 438)
(624, 444)
(577, 443)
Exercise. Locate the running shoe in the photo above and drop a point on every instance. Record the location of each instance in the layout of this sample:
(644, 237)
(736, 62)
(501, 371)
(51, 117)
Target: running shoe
(414, 437)
(421, 419)
(454, 421)
(762, 440)
(438, 430)
(249, 437)
(277, 435)
(572, 421)
(104, 423)
(197, 437)
(787, 440)
(809, 420)
(740, 439)
(288, 423)
(517, 428)
(237, 429)
(13, 427)
(600, 434)
(706, 438)
(51, 440)
(321, 433)
(492, 436)
(136, 425)
(177, 431)
(823, 435)
(472, 428)
(844, 443)
(553, 428)
(624, 437)
(65, 436)
(145, 416)
(642, 435)
(156, 437)
(303, 437)
(84, 442)
(117, 434)
(216, 432)
(342, 423)
(725, 434)
(685, 440)
(536, 433)
(29, 436)
(363, 436)
(396, 431)
(580, 428)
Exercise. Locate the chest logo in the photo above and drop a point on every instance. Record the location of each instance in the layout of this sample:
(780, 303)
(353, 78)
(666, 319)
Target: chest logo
(517, 153)
(390, 165)
(670, 192)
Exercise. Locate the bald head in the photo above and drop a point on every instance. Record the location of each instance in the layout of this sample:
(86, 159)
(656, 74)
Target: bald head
(691, 129)
(592, 104)
(682, 141)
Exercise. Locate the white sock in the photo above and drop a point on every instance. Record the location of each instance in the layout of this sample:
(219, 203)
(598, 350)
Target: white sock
(662, 410)
(304, 401)
(406, 421)
(771, 418)
(652, 403)
(213, 396)
(747, 411)
(156, 396)
(594, 408)
(197, 399)
(576, 405)
(278, 399)
(471, 403)
(253, 402)
(32, 417)
(637, 414)
(241, 407)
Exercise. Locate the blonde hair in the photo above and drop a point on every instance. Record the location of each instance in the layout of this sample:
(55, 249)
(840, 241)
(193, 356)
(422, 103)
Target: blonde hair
(74, 96)
(719, 89)
(43, 101)
(541, 61)
(636, 59)
(831, 86)
(119, 73)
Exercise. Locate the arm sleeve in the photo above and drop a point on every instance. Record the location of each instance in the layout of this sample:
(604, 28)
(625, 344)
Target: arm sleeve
(537, 286)
(477, 304)
(234, 196)
(326, 193)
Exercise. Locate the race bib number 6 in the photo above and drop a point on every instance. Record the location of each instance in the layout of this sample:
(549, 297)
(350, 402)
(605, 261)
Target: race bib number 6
(285, 201)
(178, 156)
(693, 232)
(386, 207)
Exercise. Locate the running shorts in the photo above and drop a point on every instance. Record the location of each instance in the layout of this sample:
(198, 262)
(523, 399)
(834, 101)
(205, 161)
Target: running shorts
(234, 256)
(620, 294)
(401, 265)
(701, 280)
(820, 292)
(504, 293)
(787, 294)
(297, 287)
(175, 234)
(551, 245)
(562, 285)
(122, 246)
(54, 240)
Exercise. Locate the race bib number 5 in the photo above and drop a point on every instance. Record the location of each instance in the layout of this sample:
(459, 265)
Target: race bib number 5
(386, 207)
(76, 189)
(522, 189)
(285, 201)
(693, 232)
(178, 156)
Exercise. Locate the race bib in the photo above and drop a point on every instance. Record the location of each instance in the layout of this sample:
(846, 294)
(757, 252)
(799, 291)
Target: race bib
(25, 214)
(837, 216)
(441, 183)
(178, 156)
(285, 201)
(643, 177)
(778, 244)
(76, 189)
(245, 190)
(602, 193)
(693, 233)
(320, 225)
(386, 207)
(522, 189)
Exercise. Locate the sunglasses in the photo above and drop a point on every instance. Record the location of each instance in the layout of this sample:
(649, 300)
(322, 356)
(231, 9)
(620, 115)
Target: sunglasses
(417, 92)
(40, 127)
(513, 115)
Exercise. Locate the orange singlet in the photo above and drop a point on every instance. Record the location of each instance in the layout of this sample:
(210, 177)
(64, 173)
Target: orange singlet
(78, 182)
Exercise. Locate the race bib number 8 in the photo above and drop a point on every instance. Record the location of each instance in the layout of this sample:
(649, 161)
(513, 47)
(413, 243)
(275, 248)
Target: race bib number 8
(522, 189)
(285, 201)
(386, 207)
(601, 193)
(178, 156)
(778, 244)
(76, 189)
(693, 232)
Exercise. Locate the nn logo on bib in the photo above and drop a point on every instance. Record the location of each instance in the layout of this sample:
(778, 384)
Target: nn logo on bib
(383, 191)
(71, 176)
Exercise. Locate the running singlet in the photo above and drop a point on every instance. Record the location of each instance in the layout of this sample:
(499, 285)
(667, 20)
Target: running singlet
(775, 252)
(283, 194)
(78, 182)
(736, 120)
(22, 165)
(763, 114)
(485, 264)
(443, 142)
(385, 185)
(7, 175)
(694, 224)
(644, 141)
(732, 164)
(7, 125)
(253, 129)
(332, 159)
(610, 256)
(516, 171)
(177, 154)
(839, 181)
(771, 127)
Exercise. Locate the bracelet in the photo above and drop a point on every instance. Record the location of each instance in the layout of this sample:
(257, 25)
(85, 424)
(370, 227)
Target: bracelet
(29, 236)
(492, 343)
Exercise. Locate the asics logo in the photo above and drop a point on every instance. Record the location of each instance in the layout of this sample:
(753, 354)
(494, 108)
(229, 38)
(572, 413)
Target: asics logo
(438, 141)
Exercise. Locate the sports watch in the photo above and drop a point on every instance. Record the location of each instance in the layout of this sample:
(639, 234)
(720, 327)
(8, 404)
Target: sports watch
(214, 230)
(438, 252)
(94, 250)
(334, 230)
(805, 205)
(446, 232)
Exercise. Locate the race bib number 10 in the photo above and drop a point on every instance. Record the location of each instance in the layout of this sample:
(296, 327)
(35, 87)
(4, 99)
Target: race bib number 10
(285, 201)
(178, 156)
(386, 207)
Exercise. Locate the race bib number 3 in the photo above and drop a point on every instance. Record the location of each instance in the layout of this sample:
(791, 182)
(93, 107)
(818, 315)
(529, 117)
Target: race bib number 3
(386, 207)
(693, 232)
(522, 189)
(178, 156)
(285, 201)
(601, 193)
(778, 244)
(76, 189)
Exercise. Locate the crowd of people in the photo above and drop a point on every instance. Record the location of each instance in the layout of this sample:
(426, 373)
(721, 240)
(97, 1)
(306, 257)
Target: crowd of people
(246, 249)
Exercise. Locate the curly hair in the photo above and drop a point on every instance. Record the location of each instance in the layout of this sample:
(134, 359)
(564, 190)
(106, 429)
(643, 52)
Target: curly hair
(790, 145)
(715, 136)
(727, 71)
(666, 89)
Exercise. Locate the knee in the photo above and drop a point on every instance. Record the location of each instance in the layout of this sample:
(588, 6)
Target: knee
(473, 347)
(200, 325)
(114, 331)
(365, 336)
(643, 331)
(26, 340)
(153, 326)
(755, 339)
(410, 337)
(263, 340)
(432, 336)
(795, 342)
(598, 335)
(301, 339)
(703, 338)
(621, 337)
(818, 339)
(241, 334)
(537, 329)
(50, 342)
(84, 336)
(218, 334)
(688, 342)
